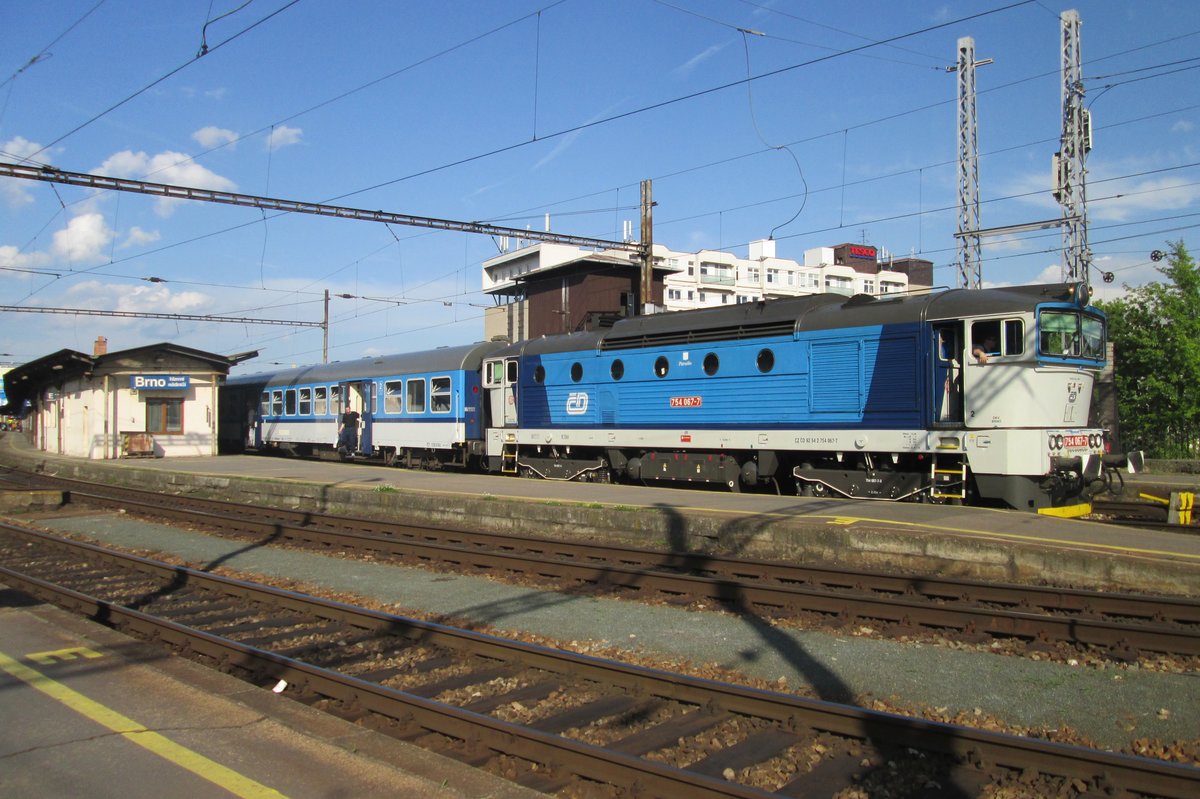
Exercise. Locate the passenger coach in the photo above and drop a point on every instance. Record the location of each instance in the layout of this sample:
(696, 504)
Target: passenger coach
(416, 409)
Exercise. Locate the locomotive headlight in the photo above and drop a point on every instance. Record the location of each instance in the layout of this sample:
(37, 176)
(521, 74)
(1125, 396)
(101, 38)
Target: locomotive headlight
(1082, 294)
(1050, 443)
(1058, 442)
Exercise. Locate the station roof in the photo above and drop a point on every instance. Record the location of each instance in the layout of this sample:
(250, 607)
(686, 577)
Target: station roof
(24, 382)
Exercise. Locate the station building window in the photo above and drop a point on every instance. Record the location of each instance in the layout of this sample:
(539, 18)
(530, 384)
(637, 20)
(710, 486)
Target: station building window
(164, 415)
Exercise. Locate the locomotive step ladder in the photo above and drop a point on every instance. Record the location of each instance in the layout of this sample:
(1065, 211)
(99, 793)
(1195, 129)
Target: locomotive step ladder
(948, 478)
(508, 459)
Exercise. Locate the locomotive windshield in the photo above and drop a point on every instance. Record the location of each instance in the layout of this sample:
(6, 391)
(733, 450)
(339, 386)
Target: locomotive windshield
(1071, 334)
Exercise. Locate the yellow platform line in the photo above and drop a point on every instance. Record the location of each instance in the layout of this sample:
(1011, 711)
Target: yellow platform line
(237, 784)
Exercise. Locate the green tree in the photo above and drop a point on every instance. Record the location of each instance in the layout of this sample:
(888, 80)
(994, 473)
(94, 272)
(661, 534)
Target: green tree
(1155, 331)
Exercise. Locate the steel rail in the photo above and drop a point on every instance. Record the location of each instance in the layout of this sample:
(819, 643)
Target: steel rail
(994, 752)
(1073, 617)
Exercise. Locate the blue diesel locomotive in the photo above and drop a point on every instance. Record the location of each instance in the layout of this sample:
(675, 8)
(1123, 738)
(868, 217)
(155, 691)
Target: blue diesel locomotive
(959, 395)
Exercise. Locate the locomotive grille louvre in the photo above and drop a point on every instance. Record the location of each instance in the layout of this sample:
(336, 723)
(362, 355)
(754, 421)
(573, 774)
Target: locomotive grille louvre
(783, 327)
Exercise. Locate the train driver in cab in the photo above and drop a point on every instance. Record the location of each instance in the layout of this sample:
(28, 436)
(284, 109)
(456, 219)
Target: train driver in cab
(986, 338)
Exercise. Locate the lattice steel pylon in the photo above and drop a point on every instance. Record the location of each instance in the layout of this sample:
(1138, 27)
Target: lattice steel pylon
(1071, 161)
(970, 274)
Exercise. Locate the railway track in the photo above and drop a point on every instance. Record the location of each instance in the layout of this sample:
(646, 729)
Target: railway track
(1118, 626)
(554, 720)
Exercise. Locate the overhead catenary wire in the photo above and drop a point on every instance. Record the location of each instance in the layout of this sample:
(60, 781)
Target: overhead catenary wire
(842, 184)
(160, 79)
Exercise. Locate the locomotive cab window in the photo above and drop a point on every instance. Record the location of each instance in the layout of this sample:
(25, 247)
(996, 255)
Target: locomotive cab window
(494, 374)
(985, 340)
(1070, 334)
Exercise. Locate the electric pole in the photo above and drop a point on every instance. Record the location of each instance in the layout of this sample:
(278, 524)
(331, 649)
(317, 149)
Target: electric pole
(970, 270)
(1070, 177)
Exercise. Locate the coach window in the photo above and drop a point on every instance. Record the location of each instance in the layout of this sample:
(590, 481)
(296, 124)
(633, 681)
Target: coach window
(617, 370)
(765, 361)
(164, 415)
(305, 401)
(264, 404)
(576, 372)
(711, 364)
(662, 366)
(416, 395)
(439, 395)
(277, 403)
(320, 401)
(539, 374)
(393, 393)
(289, 402)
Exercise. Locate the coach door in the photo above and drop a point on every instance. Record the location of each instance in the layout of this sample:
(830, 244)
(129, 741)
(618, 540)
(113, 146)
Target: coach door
(360, 396)
(947, 389)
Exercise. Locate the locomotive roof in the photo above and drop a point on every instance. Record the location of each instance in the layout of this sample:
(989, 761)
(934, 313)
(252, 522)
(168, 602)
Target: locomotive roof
(823, 312)
(466, 356)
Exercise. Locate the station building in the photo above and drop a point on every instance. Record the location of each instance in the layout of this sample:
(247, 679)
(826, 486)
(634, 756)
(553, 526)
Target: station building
(158, 400)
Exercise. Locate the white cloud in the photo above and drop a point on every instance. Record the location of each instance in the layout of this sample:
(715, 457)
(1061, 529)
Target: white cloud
(1183, 126)
(1108, 200)
(11, 258)
(122, 297)
(13, 191)
(282, 136)
(83, 239)
(1136, 197)
(137, 237)
(212, 136)
(688, 66)
(165, 167)
(19, 148)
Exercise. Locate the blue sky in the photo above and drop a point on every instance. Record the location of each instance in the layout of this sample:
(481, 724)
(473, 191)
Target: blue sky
(508, 111)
